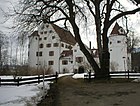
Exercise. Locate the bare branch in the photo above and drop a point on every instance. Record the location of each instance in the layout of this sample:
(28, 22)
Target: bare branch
(123, 14)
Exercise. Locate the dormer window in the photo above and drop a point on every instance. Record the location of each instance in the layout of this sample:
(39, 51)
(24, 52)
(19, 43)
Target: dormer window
(118, 41)
(121, 31)
(62, 45)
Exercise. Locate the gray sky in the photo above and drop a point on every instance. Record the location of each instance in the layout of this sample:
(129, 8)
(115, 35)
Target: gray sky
(134, 20)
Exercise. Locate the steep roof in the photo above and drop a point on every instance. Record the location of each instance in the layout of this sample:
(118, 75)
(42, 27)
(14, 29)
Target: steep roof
(67, 53)
(117, 30)
(65, 36)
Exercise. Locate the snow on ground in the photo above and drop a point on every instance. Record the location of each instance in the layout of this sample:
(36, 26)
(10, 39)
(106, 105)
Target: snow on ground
(21, 95)
(29, 94)
(24, 95)
(66, 74)
(76, 76)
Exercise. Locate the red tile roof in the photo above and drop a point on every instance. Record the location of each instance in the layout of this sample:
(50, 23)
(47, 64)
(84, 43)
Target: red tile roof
(116, 31)
(65, 36)
(67, 53)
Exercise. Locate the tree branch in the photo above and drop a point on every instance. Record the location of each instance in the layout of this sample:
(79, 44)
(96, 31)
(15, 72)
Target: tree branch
(122, 14)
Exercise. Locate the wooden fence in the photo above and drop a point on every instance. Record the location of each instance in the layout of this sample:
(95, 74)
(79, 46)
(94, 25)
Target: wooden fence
(118, 74)
(22, 81)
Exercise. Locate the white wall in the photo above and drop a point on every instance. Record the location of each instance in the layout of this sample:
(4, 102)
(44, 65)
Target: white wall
(78, 53)
(118, 52)
(45, 58)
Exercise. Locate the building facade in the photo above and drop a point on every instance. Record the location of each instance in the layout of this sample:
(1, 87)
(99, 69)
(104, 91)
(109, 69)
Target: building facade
(120, 58)
(55, 48)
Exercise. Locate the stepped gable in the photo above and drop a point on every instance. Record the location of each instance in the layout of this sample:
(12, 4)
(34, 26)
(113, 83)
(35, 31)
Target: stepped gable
(64, 35)
(35, 33)
(117, 30)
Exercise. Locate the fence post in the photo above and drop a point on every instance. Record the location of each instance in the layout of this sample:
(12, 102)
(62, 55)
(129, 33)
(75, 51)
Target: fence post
(128, 74)
(38, 79)
(18, 81)
(0, 82)
(89, 75)
(56, 77)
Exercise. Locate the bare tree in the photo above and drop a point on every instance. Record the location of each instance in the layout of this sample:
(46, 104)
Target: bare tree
(132, 41)
(103, 14)
(3, 50)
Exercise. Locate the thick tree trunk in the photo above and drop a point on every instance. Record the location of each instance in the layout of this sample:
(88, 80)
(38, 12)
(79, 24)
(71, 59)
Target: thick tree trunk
(105, 62)
(88, 55)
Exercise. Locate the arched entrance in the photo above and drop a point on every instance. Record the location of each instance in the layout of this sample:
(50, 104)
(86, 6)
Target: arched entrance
(81, 69)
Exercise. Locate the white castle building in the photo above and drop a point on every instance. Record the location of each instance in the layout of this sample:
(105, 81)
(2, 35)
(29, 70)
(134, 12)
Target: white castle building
(120, 58)
(55, 48)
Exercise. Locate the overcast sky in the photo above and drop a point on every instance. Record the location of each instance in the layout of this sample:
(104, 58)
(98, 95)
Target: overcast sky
(5, 5)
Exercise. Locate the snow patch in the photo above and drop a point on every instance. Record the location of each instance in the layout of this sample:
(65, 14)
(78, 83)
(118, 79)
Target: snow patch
(76, 76)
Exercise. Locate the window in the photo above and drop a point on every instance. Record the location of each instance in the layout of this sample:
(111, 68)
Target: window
(29, 46)
(50, 31)
(110, 49)
(75, 50)
(62, 45)
(41, 32)
(45, 32)
(50, 62)
(41, 46)
(40, 38)
(47, 26)
(69, 47)
(110, 42)
(64, 62)
(38, 53)
(48, 45)
(55, 45)
(36, 38)
(79, 59)
(45, 38)
(118, 41)
(51, 53)
(66, 46)
(53, 37)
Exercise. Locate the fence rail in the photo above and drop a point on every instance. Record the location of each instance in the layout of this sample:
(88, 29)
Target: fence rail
(119, 74)
(22, 81)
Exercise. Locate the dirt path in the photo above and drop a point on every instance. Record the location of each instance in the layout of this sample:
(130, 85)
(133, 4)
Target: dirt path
(71, 92)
